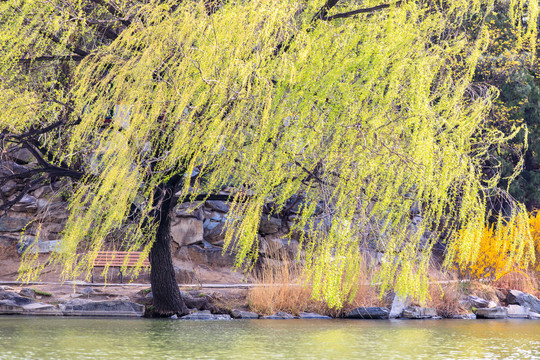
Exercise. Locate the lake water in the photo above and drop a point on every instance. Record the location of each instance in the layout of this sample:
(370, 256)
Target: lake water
(76, 338)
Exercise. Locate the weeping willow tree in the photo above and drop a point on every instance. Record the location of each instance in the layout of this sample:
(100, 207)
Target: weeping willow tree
(365, 107)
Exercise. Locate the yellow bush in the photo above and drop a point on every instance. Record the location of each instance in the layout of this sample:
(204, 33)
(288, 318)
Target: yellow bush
(493, 259)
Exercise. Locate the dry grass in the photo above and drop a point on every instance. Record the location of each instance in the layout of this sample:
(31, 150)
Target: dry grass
(281, 289)
(519, 280)
(445, 293)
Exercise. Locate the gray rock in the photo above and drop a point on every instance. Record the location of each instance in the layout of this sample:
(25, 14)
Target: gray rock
(218, 205)
(184, 276)
(174, 317)
(239, 314)
(213, 257)
(11, 303)
(534, 316)
(29, 293)
(517, 312)
(36, 245)
(269, 225)
(11, 167)
(374, 312)
(222, 317)
(492, 313)
(9, 188)
(271, 245)
(398, 305)
(27, 203)
(214, 231)
(193, 210)
(87, 291)
(416, 312)
(477, 302)
(11, 307)
(186, 231)
(308, 315)
(216, 216)
(205, 315)
(469, 316)
(23, 155)
(520, 298)
(15, 299)
(82, 307)
(12, 224)
(279, 316)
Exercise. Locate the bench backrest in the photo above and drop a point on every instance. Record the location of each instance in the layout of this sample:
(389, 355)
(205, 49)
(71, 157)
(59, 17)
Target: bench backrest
(119, 258)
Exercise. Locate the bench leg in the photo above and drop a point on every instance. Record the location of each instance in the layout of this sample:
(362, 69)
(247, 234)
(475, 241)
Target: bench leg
(121, 277)
(92, 272)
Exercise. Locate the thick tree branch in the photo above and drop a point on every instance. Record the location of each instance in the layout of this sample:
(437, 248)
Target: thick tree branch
(51, 58)
(114, 11)
(70, 47)
(29, 187)
(323, 12)
(361, 11)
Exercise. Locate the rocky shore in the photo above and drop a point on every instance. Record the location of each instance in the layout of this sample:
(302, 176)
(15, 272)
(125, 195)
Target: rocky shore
(117, 302)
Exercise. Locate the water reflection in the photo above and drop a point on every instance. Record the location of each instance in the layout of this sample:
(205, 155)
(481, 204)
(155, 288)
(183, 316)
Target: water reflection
(63, 338)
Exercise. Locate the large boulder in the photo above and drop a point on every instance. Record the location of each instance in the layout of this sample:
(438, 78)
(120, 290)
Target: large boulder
(280, 315)
(187, 231)
(8, 247)
(217, 205)
(398, 305)
(184, 276)
(11, 303)
(271, 246)
(12, 224)
(373, 312)
(213, 257)
(15, 298)
(269, 225)
(416, 312)
(517, 312)
(42, 247)
(28, 203)
(476, 302)
(193, 210)
(492, 313)
(82, 307)
(313, 316)
(517, 297)
(239, 314)
(9, 307)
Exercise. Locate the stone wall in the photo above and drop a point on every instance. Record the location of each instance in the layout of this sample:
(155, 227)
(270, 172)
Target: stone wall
(198, 229)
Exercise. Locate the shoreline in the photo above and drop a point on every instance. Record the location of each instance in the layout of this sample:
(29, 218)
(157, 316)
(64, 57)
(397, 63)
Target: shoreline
(220, 302)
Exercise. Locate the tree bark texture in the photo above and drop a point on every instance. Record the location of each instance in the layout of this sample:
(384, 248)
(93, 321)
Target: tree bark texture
(166, 294)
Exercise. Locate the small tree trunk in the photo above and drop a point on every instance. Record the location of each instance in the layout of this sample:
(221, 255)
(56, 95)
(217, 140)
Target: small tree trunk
(166, 294)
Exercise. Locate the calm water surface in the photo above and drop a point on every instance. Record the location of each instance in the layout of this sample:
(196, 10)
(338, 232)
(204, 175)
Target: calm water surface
(75, 338)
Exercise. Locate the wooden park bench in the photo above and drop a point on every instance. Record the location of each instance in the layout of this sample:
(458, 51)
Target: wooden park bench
(118, 259)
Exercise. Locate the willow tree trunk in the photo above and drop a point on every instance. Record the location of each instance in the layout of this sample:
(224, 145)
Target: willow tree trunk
(166, 294)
